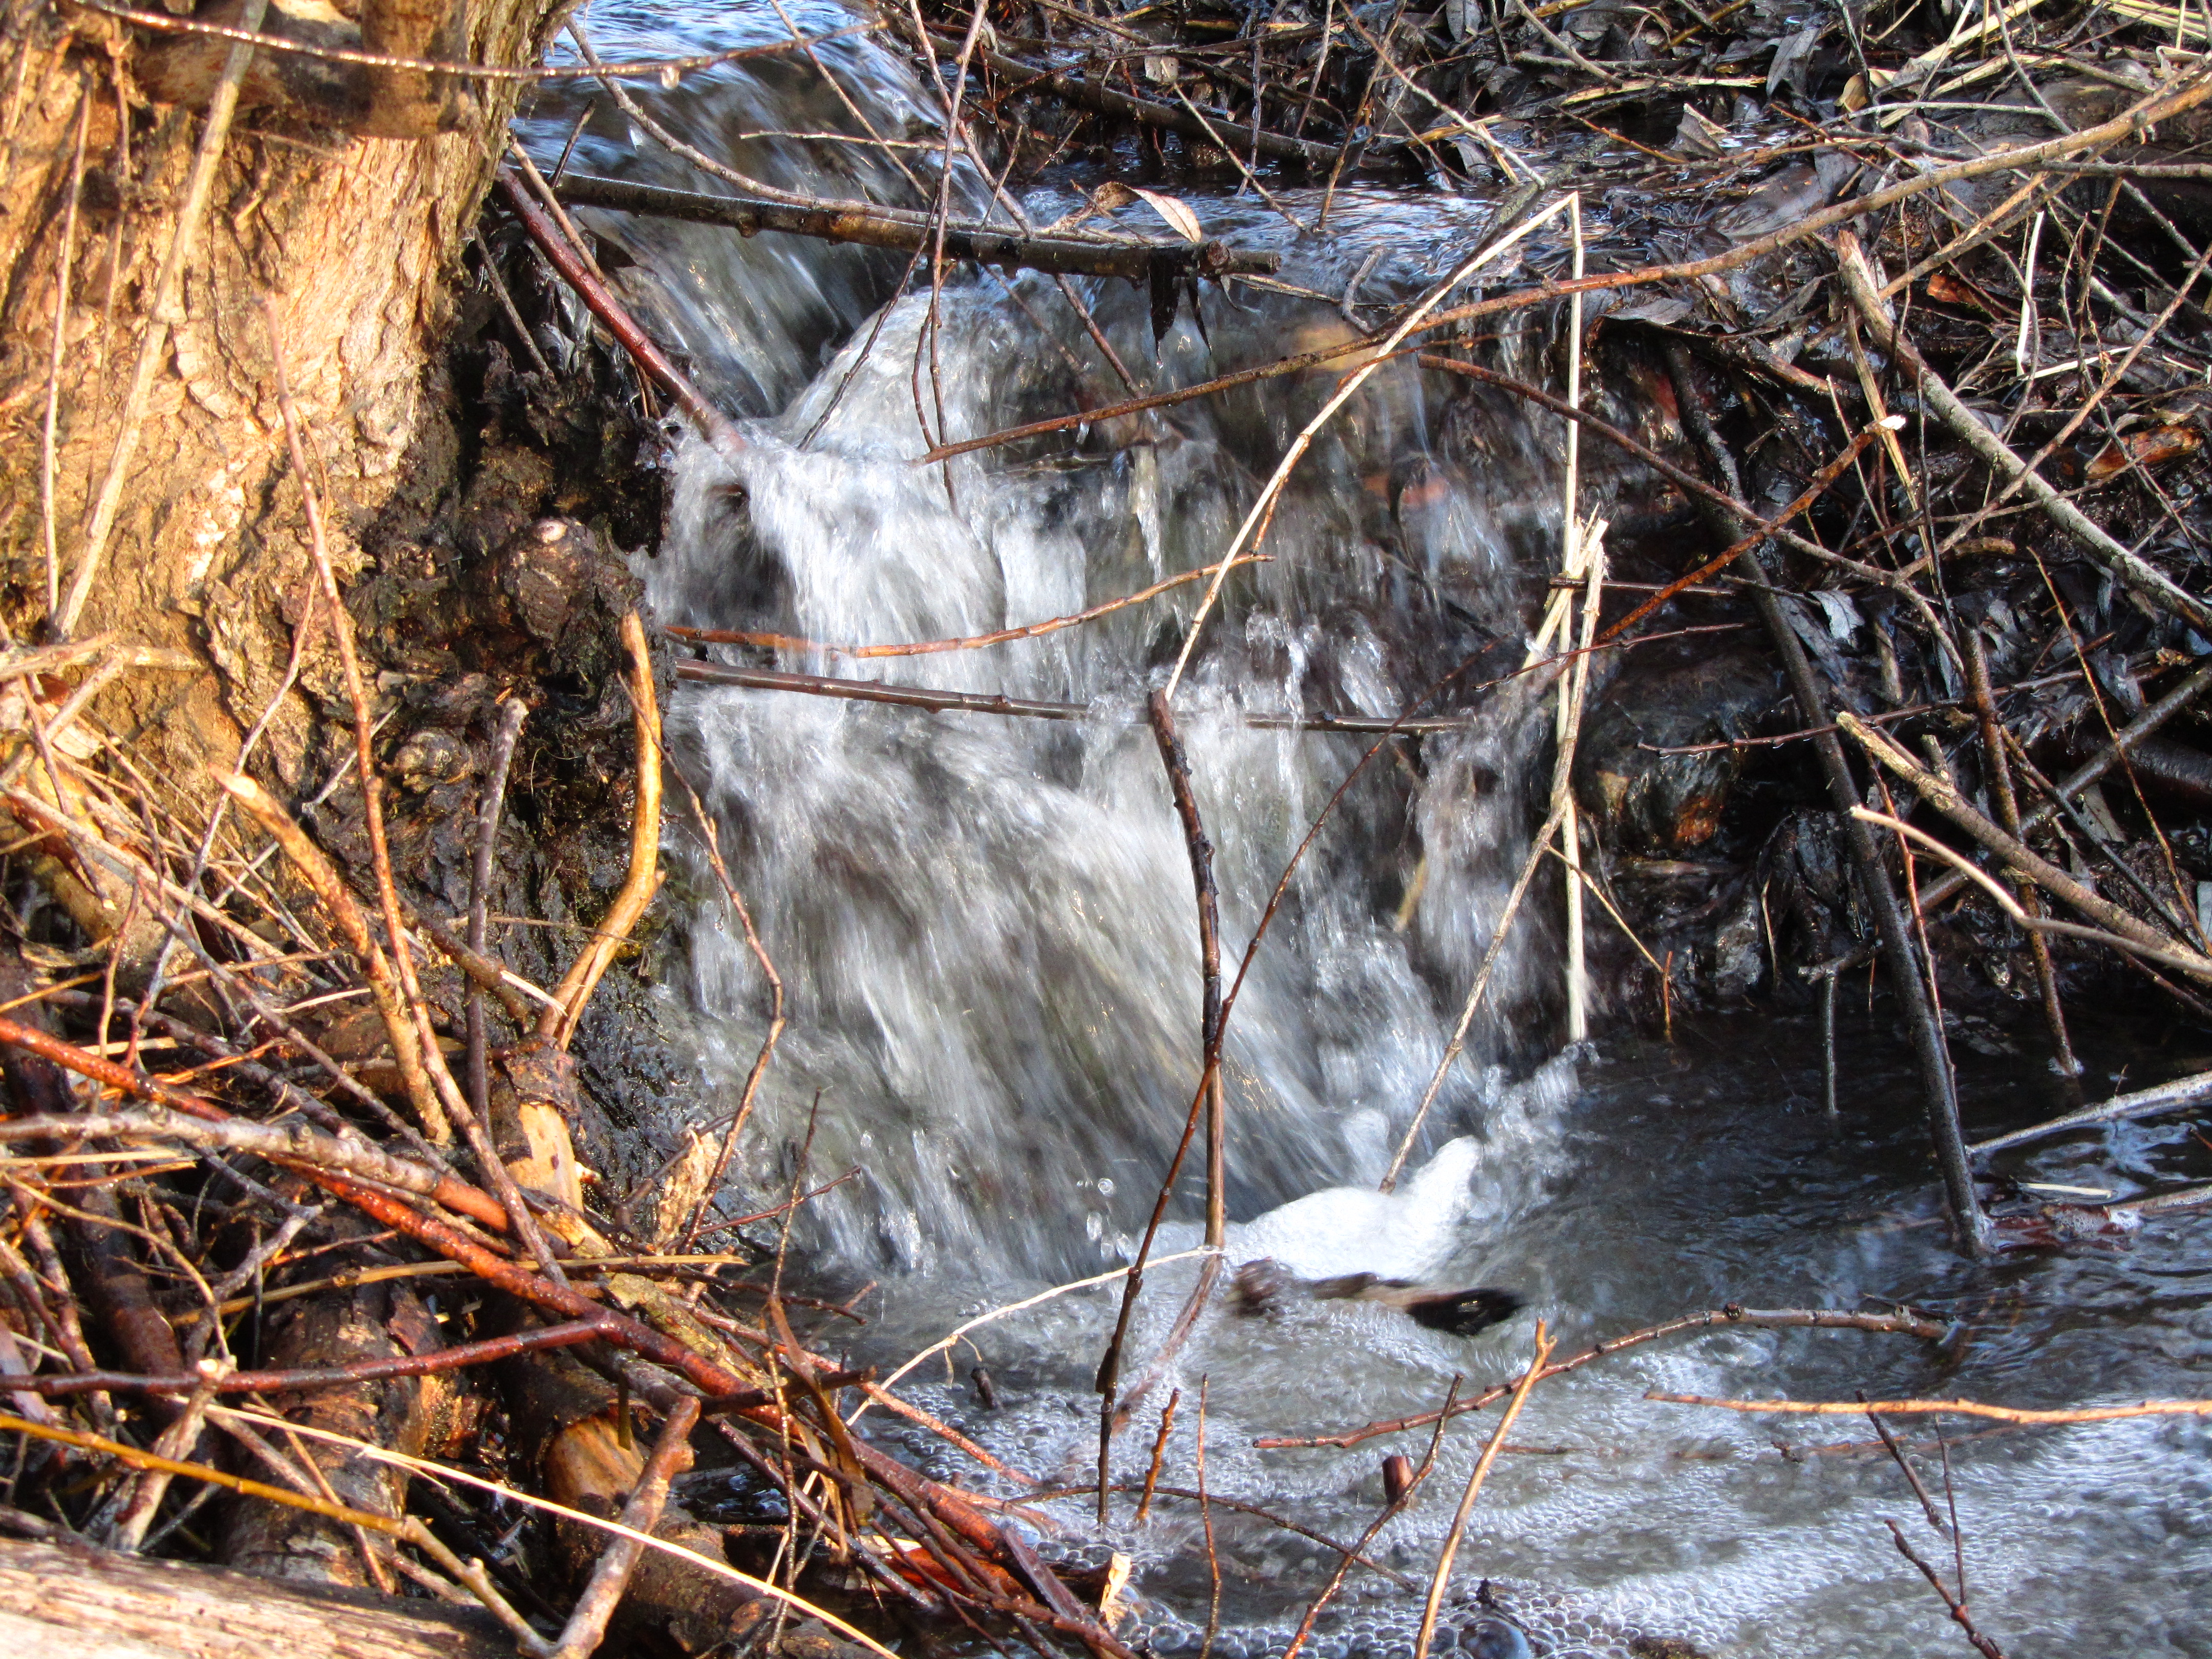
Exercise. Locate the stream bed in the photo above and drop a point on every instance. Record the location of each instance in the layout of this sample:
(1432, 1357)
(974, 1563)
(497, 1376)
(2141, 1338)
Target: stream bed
(984, 929)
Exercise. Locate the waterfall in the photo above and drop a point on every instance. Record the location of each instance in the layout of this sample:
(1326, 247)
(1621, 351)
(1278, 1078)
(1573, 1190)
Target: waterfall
(985, 930)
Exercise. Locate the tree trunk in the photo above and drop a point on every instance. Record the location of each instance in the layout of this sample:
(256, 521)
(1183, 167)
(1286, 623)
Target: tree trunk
(350, 239)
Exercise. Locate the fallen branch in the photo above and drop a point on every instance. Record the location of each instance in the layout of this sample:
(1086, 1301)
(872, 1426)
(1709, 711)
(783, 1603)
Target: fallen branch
(2125, 566)
(671, 1453)
(980, 702)
(1941, 1407)
(2120, 1109)
(1828, 1319)
(1982, 1645)
(557, 1024)
(1941, 795)
(870, 226)
(306, 1379)
(717, 427)
(2123, 741)
(304, 1147)
(930, 647)
(330, 890)
(1445, 1556)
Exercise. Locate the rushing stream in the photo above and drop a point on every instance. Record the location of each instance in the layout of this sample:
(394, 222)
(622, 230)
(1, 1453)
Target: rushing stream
(984, 926)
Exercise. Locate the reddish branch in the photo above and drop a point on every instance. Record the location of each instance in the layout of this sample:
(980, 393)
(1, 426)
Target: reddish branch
(715, 426)
(63, 1384)
(293, 1144)
(1826, 1319)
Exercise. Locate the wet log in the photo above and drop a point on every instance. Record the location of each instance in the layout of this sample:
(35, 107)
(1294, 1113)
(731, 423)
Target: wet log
(2174, 767)
(404, 1414)
(889, 227)
(69, 1602)
(575, 1437)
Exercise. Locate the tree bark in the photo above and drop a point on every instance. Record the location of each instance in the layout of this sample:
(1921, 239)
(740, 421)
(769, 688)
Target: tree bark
(65, 1601)
(351, 240)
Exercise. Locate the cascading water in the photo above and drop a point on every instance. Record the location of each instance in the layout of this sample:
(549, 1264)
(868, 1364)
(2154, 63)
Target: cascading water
(984, 926)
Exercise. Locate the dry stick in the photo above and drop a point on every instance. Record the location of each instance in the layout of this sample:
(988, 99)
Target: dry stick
(940, 1504)
(2186, 94)
(1924, 1031)
(162, 314)
(512, 713)
(2123, 564)
(1896, 1449)
(671, 1454)
(944, 1432)
(1110, 1403)
(1575, 541)
(513, 992)
(2008, 805)
(1898, 1324)
(906, 231)
(338, 902)
(715, 426)
(1211, 1025)
(62, 267)
(2011, 906)
(1943, 1407)
(558, 1024)
(1209, 945)
(928, 648)
(1451, 1550)
(692, 1227)
(1159, 1450)
(1945, 797)
(959, 1332)
(1983, 1645)
(126, 1531)
(981, 703)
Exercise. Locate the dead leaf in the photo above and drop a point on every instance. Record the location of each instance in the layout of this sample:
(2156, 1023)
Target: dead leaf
(1172, 209)
(2152, 447)
(1695, 136)
(1950, 291)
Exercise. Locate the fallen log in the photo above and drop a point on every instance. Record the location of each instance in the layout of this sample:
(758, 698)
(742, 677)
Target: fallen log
(871, 226)
(70, 1601)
